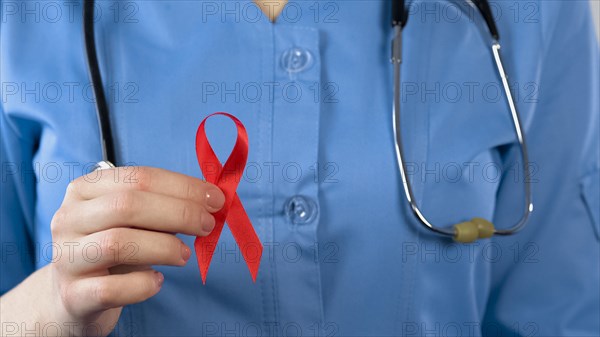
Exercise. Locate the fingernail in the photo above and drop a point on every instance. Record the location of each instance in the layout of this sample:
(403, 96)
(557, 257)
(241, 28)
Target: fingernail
(185, 252)
(208, 223)
(160, 278)
(215, 199)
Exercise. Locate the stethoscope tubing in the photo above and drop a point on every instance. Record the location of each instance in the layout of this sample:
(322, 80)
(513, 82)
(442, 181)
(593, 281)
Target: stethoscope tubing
(398, 22)
(102, 112)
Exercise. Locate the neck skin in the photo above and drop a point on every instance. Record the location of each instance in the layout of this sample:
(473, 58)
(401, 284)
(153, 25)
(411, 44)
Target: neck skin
(271, 8)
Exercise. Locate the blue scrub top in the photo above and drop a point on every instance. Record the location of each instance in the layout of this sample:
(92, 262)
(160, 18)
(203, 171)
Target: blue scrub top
(343, 254)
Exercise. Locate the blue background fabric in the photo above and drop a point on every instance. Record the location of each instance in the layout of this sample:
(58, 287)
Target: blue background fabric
(321, 128)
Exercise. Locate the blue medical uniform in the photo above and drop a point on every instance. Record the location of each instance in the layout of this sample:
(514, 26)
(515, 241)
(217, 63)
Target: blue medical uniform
(343, 254)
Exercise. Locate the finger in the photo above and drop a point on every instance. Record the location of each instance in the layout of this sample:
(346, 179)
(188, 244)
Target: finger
(126, 246)
(91, 295)
(148, 179)
(138, 209)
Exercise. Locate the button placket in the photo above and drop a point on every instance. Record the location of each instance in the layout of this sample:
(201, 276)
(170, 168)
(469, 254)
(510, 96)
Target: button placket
(296, 119)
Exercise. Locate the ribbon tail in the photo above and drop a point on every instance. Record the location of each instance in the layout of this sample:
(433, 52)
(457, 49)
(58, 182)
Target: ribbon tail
(245, 236)
(205, 247)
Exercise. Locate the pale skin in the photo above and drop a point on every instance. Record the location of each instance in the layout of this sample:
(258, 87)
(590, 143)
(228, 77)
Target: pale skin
(133, 222)
(271, 8)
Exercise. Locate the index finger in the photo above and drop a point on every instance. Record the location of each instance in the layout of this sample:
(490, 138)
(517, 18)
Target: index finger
(147, 179)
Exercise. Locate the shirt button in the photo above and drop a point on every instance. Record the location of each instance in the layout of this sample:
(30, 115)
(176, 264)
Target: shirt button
(296, 59)
(300, 210)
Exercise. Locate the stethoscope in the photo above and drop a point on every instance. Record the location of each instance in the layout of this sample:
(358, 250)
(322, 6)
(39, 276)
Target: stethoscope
(468, 231)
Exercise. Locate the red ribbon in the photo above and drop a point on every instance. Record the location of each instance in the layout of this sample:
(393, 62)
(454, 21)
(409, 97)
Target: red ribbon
(227, 178)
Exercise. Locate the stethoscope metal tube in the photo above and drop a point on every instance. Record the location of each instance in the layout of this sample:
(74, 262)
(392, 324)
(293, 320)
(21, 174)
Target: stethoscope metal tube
(476, 228)
(528, 207)
(397, 61)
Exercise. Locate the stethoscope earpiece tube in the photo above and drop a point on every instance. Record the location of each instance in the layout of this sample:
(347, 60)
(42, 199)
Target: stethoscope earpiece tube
(102, 113)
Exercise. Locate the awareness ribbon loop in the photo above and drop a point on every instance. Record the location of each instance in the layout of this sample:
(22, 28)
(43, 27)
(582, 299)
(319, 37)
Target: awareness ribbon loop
(227, 178)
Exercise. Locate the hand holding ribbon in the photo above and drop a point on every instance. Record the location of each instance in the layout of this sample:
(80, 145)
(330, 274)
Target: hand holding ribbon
(227, 178)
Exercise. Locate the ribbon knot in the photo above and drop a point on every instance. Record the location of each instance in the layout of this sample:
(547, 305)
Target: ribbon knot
(227, 178)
